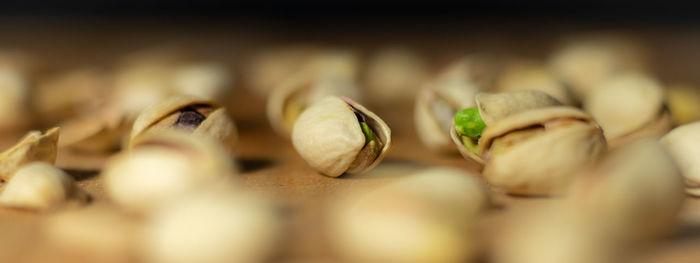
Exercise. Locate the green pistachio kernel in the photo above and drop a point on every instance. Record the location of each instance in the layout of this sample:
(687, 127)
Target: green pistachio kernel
(369, 136)
(468, 123)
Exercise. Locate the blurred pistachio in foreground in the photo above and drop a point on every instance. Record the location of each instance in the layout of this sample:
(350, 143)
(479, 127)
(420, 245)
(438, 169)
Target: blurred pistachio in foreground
(197, 116)
(683, 143)
(337, 135)
(101, 132)
(41, 186)
(552, 234)
(74, 92)
(684, 103)
(34, 146)
(394, 74)
(429, 216)
(634, 192)
(492, 107)
(529, 75)
(99, 233)
(160, 167)
(214, 225)
(438, 101)
(629, 106)
(584, 63)
(538, 151)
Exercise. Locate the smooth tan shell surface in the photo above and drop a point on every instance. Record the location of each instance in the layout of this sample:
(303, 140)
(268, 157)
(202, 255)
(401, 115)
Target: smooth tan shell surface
(546, 162)
(424, 217)
(683, 143)
(33, 147)
(328, 136)
(496, 106)
(40, 186)
(625, 103)
(217, 124)
(636, 191)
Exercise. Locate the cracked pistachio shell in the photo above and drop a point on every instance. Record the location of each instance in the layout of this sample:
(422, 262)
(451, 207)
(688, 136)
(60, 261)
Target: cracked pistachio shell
(537, 152)
(99, 133)
(427, 216)
(213, 225)
(583, 64)
(161, 166)
(41, 186)
(33, 147)
(289, 99)
(636, 191)
(683, 143)
(176, 113)
(438, 101)
(626, 104)
(496, 106)
(532, 76)
(329, 137)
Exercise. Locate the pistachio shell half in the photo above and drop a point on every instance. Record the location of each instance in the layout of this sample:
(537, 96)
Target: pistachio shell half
(41, 186)
(186, 113)
(428, 216)
(336, 135)
(636, 181)
(33, 147)
(625, 104)
(536, 152)
(496, 106)
(683, 143)
(161, 166)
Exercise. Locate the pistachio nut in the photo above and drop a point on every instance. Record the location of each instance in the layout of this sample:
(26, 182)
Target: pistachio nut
(394, 74)
(70, 93)
(684, 103)
(159, 167)
(212, 225)
(101, 132)
(336, 135)
(288, 100)
(438, 101)
(583, 64)
(41, 186)
(629, 105)
(528, 75)
(635, 181)
(537, 151)
(33, 147)
(683, 144)
(199, 117)
(428, 216)
(98, 232)
(468, 124)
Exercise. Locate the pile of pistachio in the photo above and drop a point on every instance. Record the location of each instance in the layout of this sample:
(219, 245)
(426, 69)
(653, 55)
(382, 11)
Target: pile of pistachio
(590, 131)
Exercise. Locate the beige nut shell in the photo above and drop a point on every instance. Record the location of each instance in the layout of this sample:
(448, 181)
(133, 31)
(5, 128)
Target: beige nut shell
(33, 147)
(544, 163)
(329, 137)
(217, 124)
(683, 143)
(625, 104)
(40, 186)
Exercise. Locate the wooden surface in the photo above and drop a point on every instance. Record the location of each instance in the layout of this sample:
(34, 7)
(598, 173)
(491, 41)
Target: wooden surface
(269, 164)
